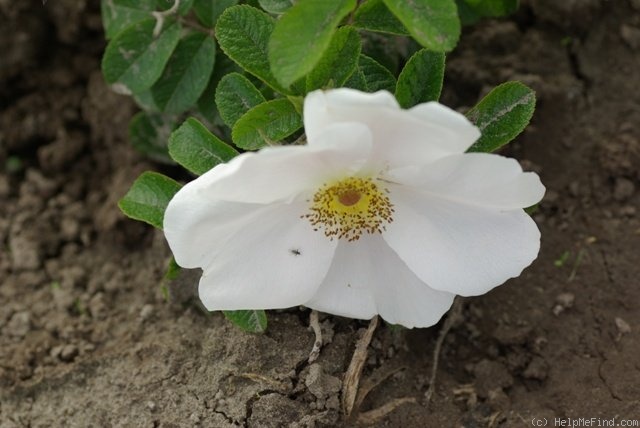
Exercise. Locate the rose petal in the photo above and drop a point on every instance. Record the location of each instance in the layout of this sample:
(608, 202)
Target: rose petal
(481, 179)
(368, 277)
(280, 173)
(346, 290)
(436, 113)
(460, 248)
(400, 137)
(275, 260)
(319, 106)
(196, 226)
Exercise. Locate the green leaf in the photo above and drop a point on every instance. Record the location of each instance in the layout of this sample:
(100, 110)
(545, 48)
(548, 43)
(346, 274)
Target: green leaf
(208, 11)
(276, 7)
(376, 76)
(183, 8)
(388, 50)
(370, 76)
(298, 102)
(374, 15)
(338, 61)
(119, 14)
(134, 59)
(145, 101)
(493, 8)
(206, 103)
(302, 35)
(421, 78)
(243, 34)
(148, 134)
(298, 87)
(266, 124)
(186, 75)
(471, 11)
(466, 13)
(148, 198)
(173, 270)
(197, 149)
(433, 23)
(252, 321)
(532, 209)
(236, 95)
(502, 115)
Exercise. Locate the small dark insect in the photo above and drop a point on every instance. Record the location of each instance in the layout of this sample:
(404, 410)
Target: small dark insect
(296, 252)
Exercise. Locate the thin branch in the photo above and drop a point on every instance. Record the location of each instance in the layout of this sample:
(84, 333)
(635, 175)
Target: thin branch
(208, 31)
(454, 315)
(376, 378)
(314, 323)
(373, 416)
(161, 15)
(354, 371)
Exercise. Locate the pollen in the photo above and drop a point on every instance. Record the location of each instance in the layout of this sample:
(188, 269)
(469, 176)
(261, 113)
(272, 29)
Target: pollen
(348, 208)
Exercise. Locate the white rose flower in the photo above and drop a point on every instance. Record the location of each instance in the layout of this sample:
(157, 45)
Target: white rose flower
(382, 212)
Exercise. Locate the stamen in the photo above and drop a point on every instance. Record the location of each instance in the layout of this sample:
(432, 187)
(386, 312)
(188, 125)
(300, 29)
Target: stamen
(350, 207)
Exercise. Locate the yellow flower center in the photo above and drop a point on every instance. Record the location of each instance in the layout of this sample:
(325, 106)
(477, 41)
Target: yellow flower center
(350, 207)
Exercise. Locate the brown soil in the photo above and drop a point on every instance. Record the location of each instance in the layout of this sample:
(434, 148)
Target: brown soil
(87, 339)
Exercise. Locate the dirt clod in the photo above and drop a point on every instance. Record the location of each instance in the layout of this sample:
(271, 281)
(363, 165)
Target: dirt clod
(26, 254)
(537, 369)
(491, 375)
(622, 325)
(511, 335)
(565, 300)
(631, 36)
(624, 189)
(19, 324)
(59, 154)
(65, 353)
(275, 411)
(320, 384)
(146, 312)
